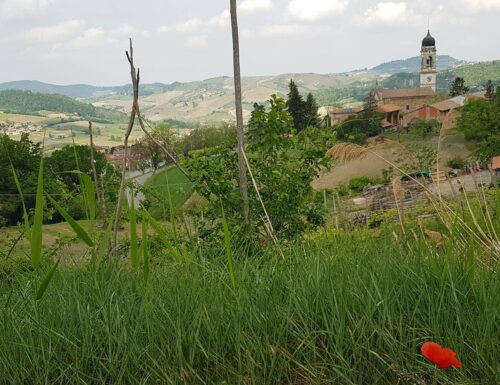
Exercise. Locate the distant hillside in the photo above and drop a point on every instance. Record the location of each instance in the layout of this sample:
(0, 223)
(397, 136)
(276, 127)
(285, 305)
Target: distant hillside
(475, 75)
(413, 64)
(27, 102)
(211, 101)
(84, 91)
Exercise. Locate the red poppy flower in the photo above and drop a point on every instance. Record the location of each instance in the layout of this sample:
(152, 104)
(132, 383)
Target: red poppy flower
(442, 357)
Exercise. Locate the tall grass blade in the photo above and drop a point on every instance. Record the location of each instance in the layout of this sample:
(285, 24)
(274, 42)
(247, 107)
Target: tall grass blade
(36, 232)
(161, 234)
(45, 283)
(227, 243)
(79, 231)
(134, 252)
(90, 200)
(145, 248)
(20, 191)
(170, 207)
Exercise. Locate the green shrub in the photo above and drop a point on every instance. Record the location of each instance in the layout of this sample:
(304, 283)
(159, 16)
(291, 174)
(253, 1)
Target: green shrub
(356, 185)
(456, 162)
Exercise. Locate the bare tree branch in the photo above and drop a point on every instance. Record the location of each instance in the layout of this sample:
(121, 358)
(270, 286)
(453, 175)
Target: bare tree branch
(135, 105)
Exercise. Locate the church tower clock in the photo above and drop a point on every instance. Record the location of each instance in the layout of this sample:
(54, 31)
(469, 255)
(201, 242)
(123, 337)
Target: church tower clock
(428, 71)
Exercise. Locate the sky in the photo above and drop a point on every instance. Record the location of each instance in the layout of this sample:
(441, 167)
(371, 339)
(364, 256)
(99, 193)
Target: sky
(84, 41)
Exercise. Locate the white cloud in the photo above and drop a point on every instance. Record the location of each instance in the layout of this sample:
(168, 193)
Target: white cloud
(99, 36)
(189, 26)
(249, 6)
(55, 32)
(15, 9)
(312, 10)
(283, 30)
(482, 4)
(222, 20)
(197, 42)
(387, 13)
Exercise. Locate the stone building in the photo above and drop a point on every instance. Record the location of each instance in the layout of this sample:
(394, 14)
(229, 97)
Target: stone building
(410, 99)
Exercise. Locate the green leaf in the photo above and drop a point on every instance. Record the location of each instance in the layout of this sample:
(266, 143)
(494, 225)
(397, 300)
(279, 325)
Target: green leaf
(79, 231)
(227, 243)
(134, 253)
(45, 283)
(20, 191)
(161, 234)
(145, 248)
(36, 233)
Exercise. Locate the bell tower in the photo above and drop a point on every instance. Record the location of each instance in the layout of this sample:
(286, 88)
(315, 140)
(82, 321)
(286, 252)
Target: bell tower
(428, 73)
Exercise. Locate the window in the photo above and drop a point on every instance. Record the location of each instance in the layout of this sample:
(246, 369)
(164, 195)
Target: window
(407, 107)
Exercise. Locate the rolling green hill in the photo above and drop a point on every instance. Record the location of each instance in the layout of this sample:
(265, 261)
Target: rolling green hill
(31, 103)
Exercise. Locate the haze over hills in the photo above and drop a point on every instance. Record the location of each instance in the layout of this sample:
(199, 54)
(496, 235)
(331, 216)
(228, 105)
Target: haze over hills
(210, 101)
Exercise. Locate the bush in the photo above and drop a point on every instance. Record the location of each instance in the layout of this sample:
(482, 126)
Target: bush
(356, 185)
(456, 162)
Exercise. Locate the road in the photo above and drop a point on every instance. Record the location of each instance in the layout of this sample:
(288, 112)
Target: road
(467, 181)
(140, 178)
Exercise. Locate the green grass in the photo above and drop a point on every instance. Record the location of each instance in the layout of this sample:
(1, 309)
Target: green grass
(337, 310)
(157, 185)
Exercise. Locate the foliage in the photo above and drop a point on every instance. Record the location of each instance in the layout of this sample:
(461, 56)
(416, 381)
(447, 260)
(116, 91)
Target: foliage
(24, 156)
(424, 158)
(357, 185)
(457, 162)
(312, 316)
(357, 129)
(480, 122)
(304, 112)
(283, 163)
(27, 102)
(458, 87)
(201, 138)
(489, 90)
(61, 165)
(425, 127)
(149, 152)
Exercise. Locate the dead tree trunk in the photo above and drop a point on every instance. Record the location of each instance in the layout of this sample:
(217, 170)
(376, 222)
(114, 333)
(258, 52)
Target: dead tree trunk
(239, 111)
(135, 85)
(99, 184)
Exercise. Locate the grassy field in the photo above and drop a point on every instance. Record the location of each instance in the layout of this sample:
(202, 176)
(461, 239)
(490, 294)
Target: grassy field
(338, 309)
(158, 187)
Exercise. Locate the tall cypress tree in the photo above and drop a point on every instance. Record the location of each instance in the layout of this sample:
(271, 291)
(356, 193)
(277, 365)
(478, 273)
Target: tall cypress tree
(458, 87)
(490, 90)
(296, 106)
(311, 111)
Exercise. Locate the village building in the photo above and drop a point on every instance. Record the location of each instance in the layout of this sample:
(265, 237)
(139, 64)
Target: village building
(340, 115)
(408, 99)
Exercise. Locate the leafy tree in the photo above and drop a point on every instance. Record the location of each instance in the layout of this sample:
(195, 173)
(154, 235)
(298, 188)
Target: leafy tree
(296, 107)
(480, 122)
(490, 90)
(284, 162)
(25, 157)
(458, 87)
(311, 111)
(149, 152)
(370, 105)
(61, 167)
(425, 127)
(201, 138)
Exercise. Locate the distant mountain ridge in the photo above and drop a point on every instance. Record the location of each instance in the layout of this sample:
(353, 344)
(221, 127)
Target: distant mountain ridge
(88, 92)
(413, 64)
(211, 101)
